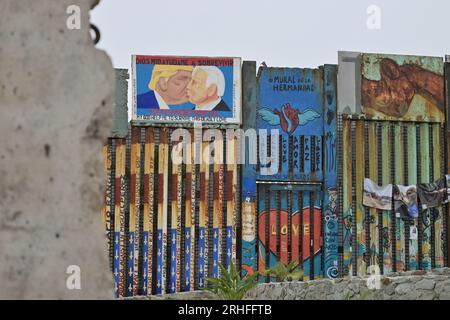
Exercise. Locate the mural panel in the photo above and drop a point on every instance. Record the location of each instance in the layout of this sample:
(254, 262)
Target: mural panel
(405, 88)
(290, 108)
(290, 100)
(303, 227)
(186, 89)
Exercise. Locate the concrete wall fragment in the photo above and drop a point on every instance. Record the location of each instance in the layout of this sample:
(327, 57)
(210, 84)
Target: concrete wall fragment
(120, 119)
(56, 102)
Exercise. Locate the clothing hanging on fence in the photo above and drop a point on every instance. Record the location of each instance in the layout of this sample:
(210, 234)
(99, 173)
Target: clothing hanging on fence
(376, 196)
(432, 194)
(405, 201)
(447, 184)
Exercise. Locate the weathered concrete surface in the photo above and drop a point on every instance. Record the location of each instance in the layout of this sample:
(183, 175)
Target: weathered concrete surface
(418, 285)
(56, 102)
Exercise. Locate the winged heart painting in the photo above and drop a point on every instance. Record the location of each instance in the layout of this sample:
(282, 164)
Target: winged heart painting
(288, 118)
(290, 99)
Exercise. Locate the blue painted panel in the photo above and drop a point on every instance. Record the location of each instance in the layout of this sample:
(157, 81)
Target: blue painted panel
(159, 262)
(248, 187)
(201, 258)
(116, 263)
(290, 100)
(285, 157)
(187, 260)
(317, 237)
(173, 262)
(307, 158)
(318, 158)
(130, 259)
(296, 157)
(215, 268)
(145, 262)
(229, 246)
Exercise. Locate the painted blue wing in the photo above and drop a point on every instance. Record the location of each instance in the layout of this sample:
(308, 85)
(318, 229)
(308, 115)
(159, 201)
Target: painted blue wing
(268, 116)
(307, 116)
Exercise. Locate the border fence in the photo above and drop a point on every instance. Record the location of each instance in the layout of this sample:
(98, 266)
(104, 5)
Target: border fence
(180, 201)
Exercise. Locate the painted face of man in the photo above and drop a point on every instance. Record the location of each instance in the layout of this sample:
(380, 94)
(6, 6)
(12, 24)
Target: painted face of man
(197, 90)
(176, 87)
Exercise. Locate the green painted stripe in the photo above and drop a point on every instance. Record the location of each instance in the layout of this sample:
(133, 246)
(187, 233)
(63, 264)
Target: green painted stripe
(373, 175)
(399, 174)
(386, 179)
(425, 175)
(412, 179)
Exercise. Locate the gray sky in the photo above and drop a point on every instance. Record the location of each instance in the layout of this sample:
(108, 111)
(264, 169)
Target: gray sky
(280, 32)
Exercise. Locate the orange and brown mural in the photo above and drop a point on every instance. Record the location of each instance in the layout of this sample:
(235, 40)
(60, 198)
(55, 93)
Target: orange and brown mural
(406, 88)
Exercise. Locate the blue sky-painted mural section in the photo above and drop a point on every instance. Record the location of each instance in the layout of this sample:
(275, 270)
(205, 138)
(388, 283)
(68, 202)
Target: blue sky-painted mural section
(290, 100)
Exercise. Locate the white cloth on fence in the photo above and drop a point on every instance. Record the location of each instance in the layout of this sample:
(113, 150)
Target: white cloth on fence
(377, 197)
(405, 201)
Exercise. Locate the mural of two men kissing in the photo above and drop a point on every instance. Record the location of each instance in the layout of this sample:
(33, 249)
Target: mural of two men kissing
(186, 89)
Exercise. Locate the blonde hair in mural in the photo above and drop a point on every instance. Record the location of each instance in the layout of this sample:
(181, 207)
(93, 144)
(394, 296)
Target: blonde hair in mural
(165, 71)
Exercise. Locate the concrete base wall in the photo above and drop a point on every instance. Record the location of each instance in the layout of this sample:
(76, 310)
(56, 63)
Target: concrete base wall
(420, 285)
(56, 102)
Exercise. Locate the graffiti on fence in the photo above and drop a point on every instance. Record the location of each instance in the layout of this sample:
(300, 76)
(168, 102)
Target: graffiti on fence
(330, 196)
(171, 224)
